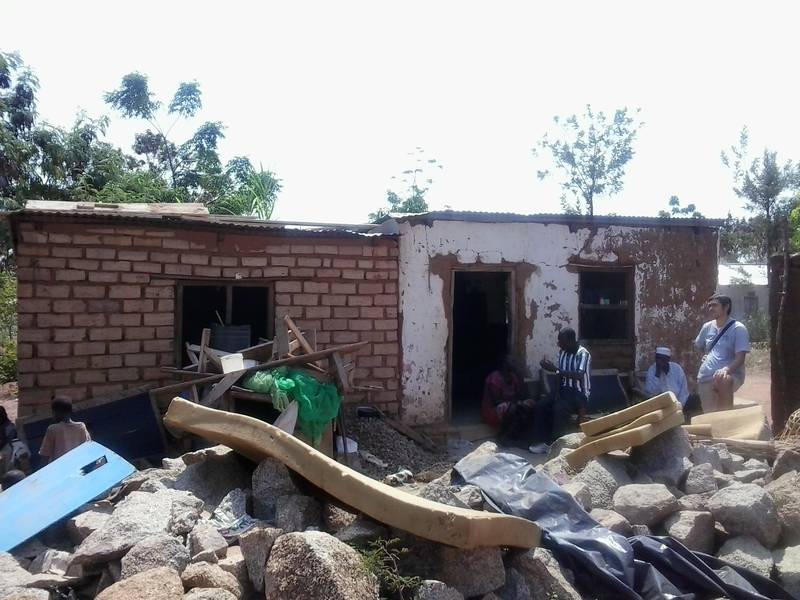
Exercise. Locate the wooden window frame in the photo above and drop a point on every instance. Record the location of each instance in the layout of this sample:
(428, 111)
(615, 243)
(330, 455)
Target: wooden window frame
(228, 284)
(630, 308)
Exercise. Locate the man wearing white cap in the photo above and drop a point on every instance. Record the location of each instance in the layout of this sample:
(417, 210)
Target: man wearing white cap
(666, 376)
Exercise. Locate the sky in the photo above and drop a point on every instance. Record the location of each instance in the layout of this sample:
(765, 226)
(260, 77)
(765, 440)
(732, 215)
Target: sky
(333, 96)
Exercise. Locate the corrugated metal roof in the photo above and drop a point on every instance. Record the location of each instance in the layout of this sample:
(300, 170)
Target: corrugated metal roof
(738, 274)
(580, 220)
(189, 220)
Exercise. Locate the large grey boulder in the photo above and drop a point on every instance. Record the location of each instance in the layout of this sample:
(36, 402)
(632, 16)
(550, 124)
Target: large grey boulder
(747, 509)
(750, 475)
(271, 479)
(472, 572)
(694, 529)
(603, 476)
(544, 576)
(787, 568)
(184, 514)
(787, 460)
(436, 590)
(665, 458)
(612, 521)
(785, 491)
(138, 516)
(645, 504)
(256, 545)
(207, 575)
(297, 512)
(700, 479)
(155, 584)
(27, 594)
(313, 564)
(84, 524)
(747, 552)
(204, 539)
(160, 550)
(211, 473)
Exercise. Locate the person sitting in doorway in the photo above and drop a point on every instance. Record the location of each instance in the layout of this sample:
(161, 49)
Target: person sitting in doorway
(504, 404)
(11, 478)
(64, 434)
(568, 397)
(725, 343)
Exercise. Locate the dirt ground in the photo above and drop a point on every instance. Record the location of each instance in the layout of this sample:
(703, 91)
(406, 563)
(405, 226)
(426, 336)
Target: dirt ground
(756, 386)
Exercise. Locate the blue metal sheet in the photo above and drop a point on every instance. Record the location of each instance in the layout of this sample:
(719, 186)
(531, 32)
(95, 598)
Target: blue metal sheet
(58, 490)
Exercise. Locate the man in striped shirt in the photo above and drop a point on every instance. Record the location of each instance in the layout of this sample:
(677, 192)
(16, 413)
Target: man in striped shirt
(569, 396)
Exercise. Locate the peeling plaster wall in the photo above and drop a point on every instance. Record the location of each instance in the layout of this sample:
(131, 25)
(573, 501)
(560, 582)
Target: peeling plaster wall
(674, 271)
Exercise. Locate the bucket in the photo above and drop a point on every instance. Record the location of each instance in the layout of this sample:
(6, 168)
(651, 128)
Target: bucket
(231, 362)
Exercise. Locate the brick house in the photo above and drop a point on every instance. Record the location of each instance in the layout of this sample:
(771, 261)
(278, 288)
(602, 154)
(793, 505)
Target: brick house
(109, 294)
(107, 297)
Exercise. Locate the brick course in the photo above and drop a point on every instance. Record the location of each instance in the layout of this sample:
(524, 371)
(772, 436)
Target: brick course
(97, 301)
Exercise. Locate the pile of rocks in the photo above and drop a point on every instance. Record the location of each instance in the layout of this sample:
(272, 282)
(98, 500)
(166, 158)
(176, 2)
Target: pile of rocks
(212, 526)
(746, 512)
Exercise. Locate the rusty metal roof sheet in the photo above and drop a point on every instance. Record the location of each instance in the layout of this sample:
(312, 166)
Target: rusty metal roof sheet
(577, 220)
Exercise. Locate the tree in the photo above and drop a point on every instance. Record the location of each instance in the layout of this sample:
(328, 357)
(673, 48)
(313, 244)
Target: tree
(763, 184)
(254, 192)
(676, 210)
(415, 182)
(590, 153)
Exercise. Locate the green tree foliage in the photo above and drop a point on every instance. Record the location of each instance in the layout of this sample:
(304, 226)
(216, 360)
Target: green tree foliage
(254, 192)
(676, 210)
(765, 185)
(8, 327)
(410, 187)
(589, 153)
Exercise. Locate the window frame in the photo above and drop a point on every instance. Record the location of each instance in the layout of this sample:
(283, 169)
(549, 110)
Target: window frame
(629, 308)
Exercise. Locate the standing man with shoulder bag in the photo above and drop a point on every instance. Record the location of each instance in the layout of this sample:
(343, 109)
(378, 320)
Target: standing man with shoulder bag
(725, 344)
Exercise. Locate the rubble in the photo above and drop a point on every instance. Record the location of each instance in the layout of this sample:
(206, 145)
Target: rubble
(313, 564)
(612, 520)
(361, 531)
(297, 513)
(155, 584)
(271, 479)
(335, 518)
(699, 479)
(580, 492)
(211, 473)
(256, 546)
(436, 590)
(207, 575)
(603, 476)
(747, 552)
(787, 460)
(785, 491)
(82, 525)
(208, 594)
(694, 529)
(747, 509)
(471, 572)
(787, 568)
(645, 504)
(665, 458)
(160, 550)
(544, 576)
(204, 538)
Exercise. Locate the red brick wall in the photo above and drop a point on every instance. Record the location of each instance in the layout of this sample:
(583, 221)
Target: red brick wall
(97, 301)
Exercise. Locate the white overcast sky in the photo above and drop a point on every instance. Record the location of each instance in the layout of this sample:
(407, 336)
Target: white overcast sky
(333, 95)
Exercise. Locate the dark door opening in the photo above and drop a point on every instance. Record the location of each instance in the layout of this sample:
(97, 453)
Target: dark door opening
(481, 330)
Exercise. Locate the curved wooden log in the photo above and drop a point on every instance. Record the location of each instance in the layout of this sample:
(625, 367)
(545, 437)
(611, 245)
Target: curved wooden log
(450, 525)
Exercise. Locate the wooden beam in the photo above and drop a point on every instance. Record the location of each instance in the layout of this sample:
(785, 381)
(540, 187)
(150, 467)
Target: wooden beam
(283, 362)
(205, 338)
(341, 373)
(298, 334)
(220, 388)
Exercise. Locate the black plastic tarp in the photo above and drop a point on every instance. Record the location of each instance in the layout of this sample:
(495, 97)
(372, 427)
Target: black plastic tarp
(606, 563)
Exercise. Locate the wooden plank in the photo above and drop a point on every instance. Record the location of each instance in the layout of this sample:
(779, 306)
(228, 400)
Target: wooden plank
(283, 362)
(298, 334)
(57, 490)
(152, 208)
(761, 449)
(341, 373)
(459, 527)
(281, 348)
(621, 441)
(216, 392)
(261, 352)
(205, 338)
(597, 426)
(650, 418)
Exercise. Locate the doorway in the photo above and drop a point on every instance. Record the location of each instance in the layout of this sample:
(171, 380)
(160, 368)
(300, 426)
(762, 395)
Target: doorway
(481, 322)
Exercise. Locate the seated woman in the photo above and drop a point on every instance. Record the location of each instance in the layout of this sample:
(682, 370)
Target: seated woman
(504, 404)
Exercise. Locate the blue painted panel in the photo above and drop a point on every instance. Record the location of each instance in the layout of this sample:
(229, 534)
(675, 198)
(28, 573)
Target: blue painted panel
(128, 426)
(607, 393)
(58, 490)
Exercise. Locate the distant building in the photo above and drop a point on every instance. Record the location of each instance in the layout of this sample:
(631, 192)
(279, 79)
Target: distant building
(747, 286)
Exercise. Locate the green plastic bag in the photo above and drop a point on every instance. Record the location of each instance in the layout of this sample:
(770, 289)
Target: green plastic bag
(317, 403)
